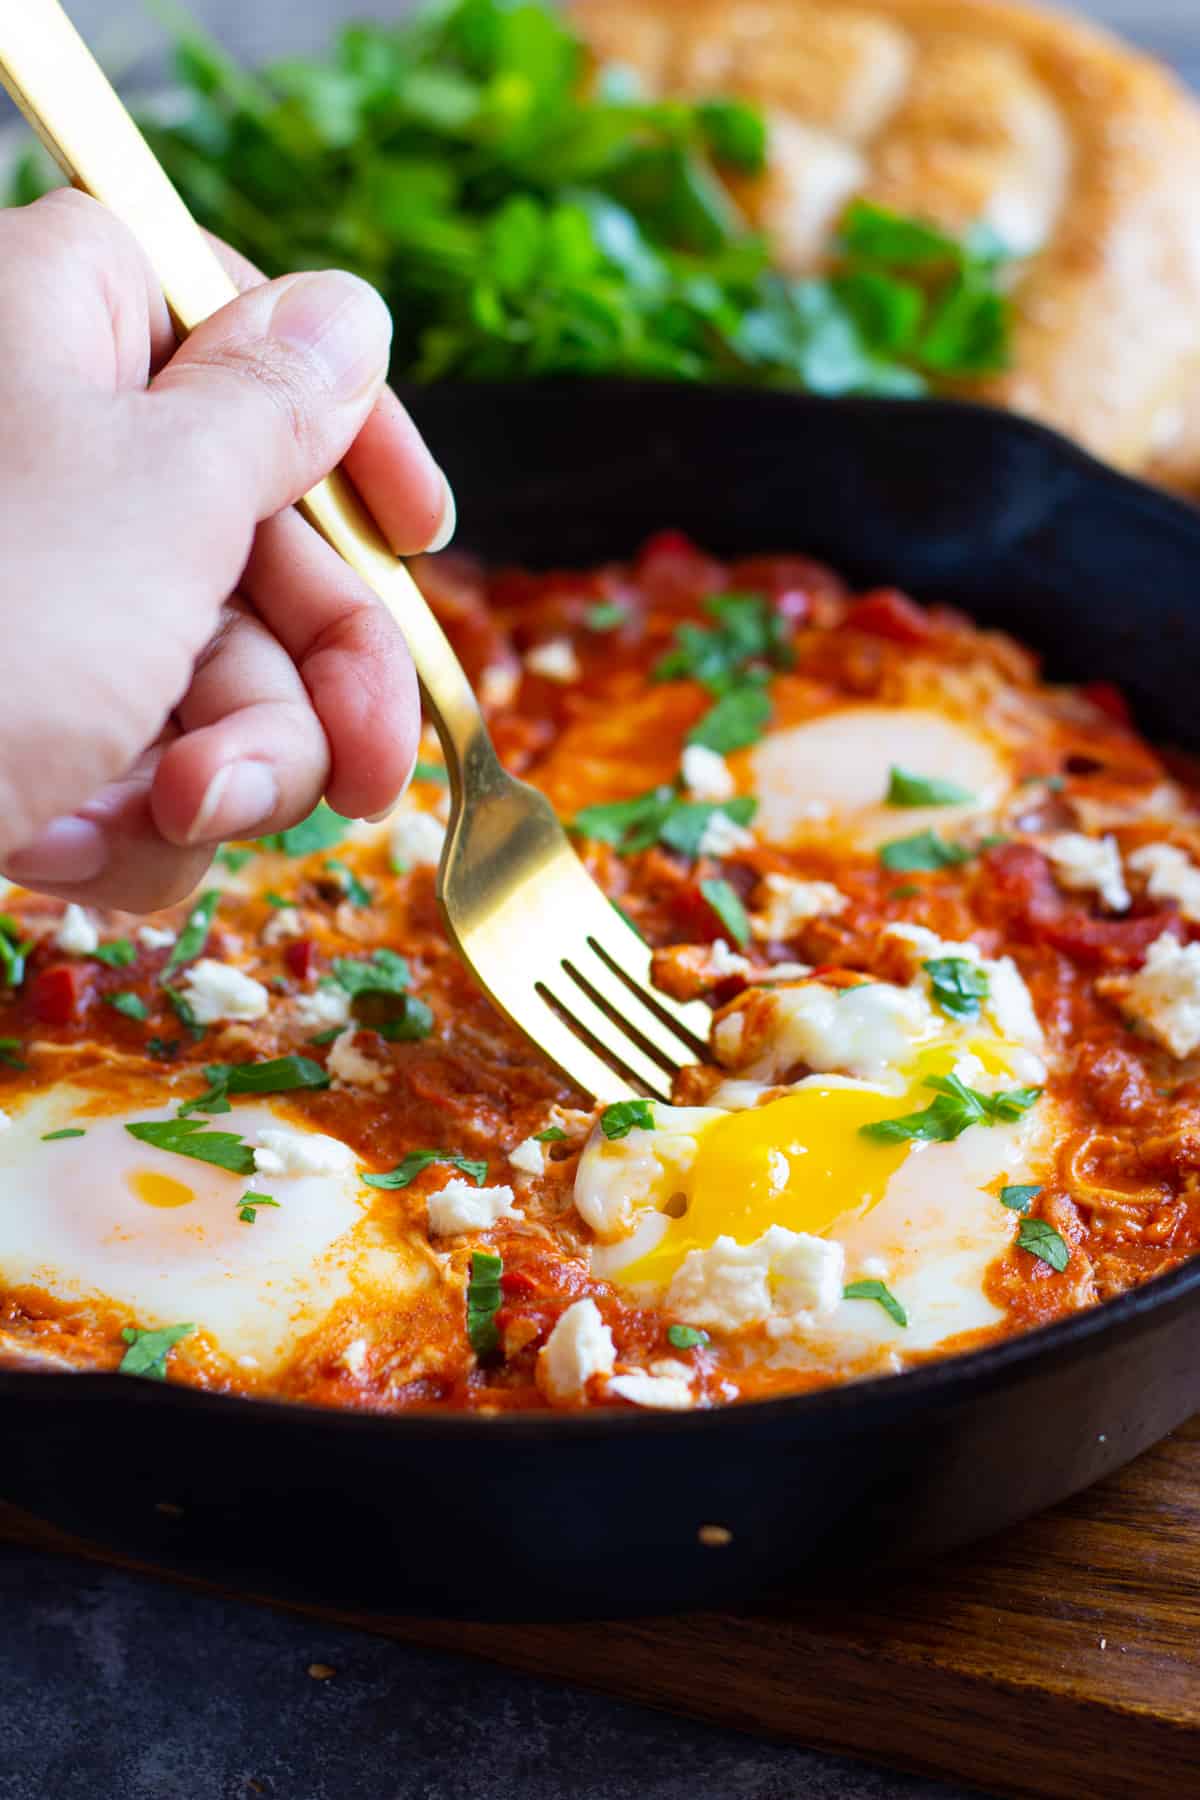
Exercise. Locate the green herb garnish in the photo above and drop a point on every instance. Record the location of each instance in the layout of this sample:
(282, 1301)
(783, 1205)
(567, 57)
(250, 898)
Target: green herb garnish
(249, 1204)
(728, 907)
(233, 859)
(118, 954)
(10, 1053)
(412, 1022)
(957, 985)
(148, 1350)
(417, 1161)
(192, 939)
(13, 951)
(606, 615)
(68, 1131)
(1019, 1199)
(924, 850)
(278, 1075)
(381, 973)
(738, 719)
(355, 891)
(619, 1120)
(906, 789)
(322, 829)
(163, 1049)
(553, 1134)
(686, 1337)
(484, 1296)
(660, 816)
(429, 771)
(1041, 1240)
(191, 1137)
(131, 1005)
(748, 640)
(876, 1290)
(956, 1107)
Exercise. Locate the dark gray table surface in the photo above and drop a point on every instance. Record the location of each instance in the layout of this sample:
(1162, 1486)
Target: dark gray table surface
(117, 1688)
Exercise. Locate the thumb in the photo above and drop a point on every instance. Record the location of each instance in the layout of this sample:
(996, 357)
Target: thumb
(268, 395)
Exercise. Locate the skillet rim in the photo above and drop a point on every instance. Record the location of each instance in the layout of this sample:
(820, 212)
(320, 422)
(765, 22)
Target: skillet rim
(942, 1379)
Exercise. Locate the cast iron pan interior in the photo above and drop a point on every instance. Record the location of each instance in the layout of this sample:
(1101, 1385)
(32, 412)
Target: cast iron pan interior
(600, 1514)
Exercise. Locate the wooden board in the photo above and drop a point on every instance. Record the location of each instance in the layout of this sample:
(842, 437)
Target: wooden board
(1059, 1660)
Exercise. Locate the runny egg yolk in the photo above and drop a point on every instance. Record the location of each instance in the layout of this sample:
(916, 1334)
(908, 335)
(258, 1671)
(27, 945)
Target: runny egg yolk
(158, 1190)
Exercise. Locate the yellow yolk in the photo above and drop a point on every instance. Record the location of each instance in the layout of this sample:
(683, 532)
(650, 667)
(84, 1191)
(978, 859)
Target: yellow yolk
(159, 1190)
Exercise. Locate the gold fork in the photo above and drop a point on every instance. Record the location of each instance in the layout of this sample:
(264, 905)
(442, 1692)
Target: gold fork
(543, 940)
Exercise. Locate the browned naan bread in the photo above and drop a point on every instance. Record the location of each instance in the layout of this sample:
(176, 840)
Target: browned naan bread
(1081, 153)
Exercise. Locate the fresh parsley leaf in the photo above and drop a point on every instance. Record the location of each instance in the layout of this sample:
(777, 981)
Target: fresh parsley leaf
(553, 1134)
(906, 789)
(148, 1350)
(924, 850)
(412, 1022)
(249, 1204)
(327, 1036)
(736, 134)
(68, 1131)
(190, 1137)
(908, 891)
(660, 816)
(686, 1337)
(278, 901)
(355, 891)
(685, 826)
(192, 939)
(738, 719)
(749, 638)
(131, 1005)
(728, 907)
(606, 615)
(10, 1053)
(118, 954)
(163, 1049)
(955, 1108)
(484, 1295)
(322, 829)
(430, 771)
(876, 1290)
(1041, 1240)
(957, 985)
(233, 859)
(619, 1120)
(13, 951)
(276, 1075)
(381, 973)
(1019, 1199)
(182, 1007)
(417, 1161)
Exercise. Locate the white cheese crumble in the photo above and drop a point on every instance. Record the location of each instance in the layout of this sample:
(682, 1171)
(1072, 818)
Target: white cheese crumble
(528, 1157)
(706, 774)
(722, 836)
(461, 1206)
(784, 904)
(77, 933)
(350, 1068)
(670, 1392)
(1164, 995)
(553, 661)
(416, 839)
(784, 1280)
(579, 1347)
(215, 990)
(1171, 875)
(5, 1121)
(285, 922)
(498, 685)
(861, 1030)
(324, 1007)
(1081, 862)
(723, 961)
(152, 937)
(281, 1151)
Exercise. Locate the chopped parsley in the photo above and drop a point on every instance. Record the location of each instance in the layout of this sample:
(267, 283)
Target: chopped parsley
(131, 1005)
(660, 816)
(906, 789)
(619, 1120)
(356, 892)
(322, 829)
(278, 1075)
(553, 1134)
(148, 1350)
(606, 615)
(13, 951)
(413, 1021)
(68, 1131)
(249, 1204)
(118, 954)
(191, 1137)
(484, 1296)
(924, 850)
(328, 1035)
(381, 973)
(1019, 1199)
(429, 771)
(417, 1161)
(279, 901)
(728, 907)
(748, 639)
(738, 719)
(233, 859)
(686, 1337)
(878, 1291)
(958, 985)
(163, 1049)
(10, 1053)
(956, 1107)
(182, 1007)
(1041, 1240)
(192, 939)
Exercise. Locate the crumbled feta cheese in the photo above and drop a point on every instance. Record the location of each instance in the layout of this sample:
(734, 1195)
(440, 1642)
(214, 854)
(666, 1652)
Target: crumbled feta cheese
(416, 840)
(722, 836)
(670, 1392)
(354, 1356)
(579, 1347)
(5, 1121)
(498, 685)
(1172, 875)
(862, 1030)
(528, 1157)
(1081, 862)
(77, 933)
(216, 990)
(1164, 995)
(706, 774)
(723, 961)
(151, 937)
(285, 922)
(785, 904)
(785, 1277)
(553, 661)
(324, 1007)
(875, 1268)
(350, 1068)
(461, 1206)
(784, 971)
(282, 1151)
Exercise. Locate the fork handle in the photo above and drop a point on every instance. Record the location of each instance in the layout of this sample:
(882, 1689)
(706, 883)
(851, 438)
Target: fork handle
(63, 92)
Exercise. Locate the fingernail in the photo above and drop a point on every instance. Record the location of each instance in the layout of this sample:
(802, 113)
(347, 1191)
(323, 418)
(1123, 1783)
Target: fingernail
(238, 800)
(448, 521)
(67, 850)
(341, 323)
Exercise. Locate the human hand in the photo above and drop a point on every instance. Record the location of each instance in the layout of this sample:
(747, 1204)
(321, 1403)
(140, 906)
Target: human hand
(182, 660)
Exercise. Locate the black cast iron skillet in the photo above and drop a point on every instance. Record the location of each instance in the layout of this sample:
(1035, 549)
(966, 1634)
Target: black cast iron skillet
(602, 1514)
